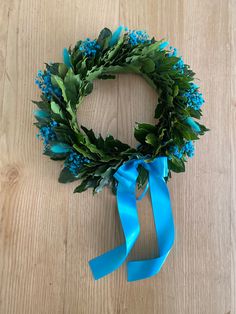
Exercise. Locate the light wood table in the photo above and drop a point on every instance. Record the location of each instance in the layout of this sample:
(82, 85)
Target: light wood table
(48, 234)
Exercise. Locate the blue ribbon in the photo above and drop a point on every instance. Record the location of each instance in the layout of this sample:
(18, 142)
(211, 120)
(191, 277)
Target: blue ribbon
(126, 176)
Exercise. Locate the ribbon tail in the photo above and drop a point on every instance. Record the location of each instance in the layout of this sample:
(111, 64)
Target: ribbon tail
(110, 261)
(164, 226)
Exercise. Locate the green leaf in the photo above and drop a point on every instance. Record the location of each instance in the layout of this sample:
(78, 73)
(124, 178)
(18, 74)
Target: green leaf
(169, 100)
(44, 105)
(100, 170)
(89, 182)
(149, 81)
(81, 68)
(167, 63)
(110, 146)
(152, 139)
(142, 130)
(160, 108)
(88, 88)
(194, 113)
(62, 70)
(203, 128)
(65, 134)
(104, 38)
(56, 80)
(150, 48)
(148, 65)
(104, 181)
(142, 176)
(72, 83)
(53, 68)
(114, 145)
(83, 151)
(56, 109)
(90, 134)
(175, 90)
(112, 53)
(186, 131)
(66, 176)
(176, 164)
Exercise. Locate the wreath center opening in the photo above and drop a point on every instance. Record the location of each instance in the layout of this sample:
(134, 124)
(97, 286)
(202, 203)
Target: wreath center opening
(114, 106)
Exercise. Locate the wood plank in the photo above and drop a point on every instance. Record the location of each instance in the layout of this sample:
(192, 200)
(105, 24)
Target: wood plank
(232, 47)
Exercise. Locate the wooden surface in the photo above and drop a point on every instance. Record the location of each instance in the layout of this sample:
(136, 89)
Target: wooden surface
(48, 234)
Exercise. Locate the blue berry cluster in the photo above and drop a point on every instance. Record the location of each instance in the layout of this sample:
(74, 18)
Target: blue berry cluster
(194, 98)
(187, 149)
(138, 37)
(43, 80)
(89, 47)
(74, 161)
(180, 64)
(47, 134)
(173, 52)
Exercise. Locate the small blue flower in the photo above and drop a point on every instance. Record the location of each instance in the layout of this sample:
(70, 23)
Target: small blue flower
(89, 47)
(187, 149)
(53, 123)
(180, 64)
(47, 134)
(43, 80)
(176, 151)
(194, 98)
(138, 37)
(74, 162)
(173, 52)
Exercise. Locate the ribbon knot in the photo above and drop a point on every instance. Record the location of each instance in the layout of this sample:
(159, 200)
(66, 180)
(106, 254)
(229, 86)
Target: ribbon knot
(127, 174)
(126, 177)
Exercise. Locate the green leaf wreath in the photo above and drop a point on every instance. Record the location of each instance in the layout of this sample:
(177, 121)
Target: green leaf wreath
(91, 158)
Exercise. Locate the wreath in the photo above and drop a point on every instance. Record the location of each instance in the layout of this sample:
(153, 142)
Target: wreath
(92, 158)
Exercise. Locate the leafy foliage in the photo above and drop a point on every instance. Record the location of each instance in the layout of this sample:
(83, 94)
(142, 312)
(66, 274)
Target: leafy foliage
(75, 81)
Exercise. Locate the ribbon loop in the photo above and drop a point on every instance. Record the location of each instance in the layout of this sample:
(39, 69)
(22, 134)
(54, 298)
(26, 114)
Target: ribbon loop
(126, 176)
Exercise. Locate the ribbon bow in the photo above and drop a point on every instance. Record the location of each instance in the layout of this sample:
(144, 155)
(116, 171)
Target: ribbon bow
(126, 176)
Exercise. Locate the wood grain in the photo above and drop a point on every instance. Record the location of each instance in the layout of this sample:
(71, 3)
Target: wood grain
(48, 234)
(232, 47)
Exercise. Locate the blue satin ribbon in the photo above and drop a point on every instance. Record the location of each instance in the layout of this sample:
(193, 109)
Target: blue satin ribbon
(126, 177)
